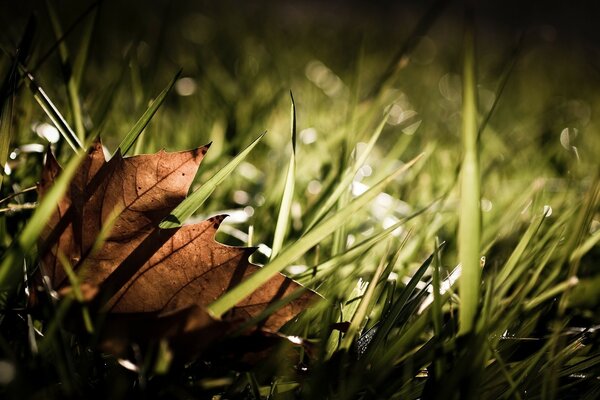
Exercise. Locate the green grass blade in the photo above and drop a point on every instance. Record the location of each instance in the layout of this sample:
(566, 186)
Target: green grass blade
(7, 102)
(361, 312)
(11, 268)
(507, 275)
(46, 55)
(469, 231)
(193, 202)
(287, 198)
(81, 56)
(72, 87)
(342, 186)
(507, 71)
(551, 293)
(8, 93)
(52, 112)
(291, 253)
(586, 246)
(390, 320)
(139, 126)
(355, 251)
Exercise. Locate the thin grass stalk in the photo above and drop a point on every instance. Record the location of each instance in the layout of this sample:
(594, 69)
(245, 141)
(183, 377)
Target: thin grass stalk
(469, 230)
(298, 248)
(10, 269)
(137, 129)
(72, 87)
(52, 112)
(283, 219)
(192, 203)
(361, 312)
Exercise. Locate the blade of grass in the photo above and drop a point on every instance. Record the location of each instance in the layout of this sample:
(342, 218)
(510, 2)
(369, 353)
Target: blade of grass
(361, 312)
(187, 207)
(342, 186)
(10, 269)
(42, 59)
(291, 253)
(551, 293)
(82, 53)
(355, 251)
(285, 207)
(7, 104)
(72, 89)
(139, 126)
(507, 70)
(8, 93)
(390, 320)
(52, 112)
(586, 246)
(75, 285)
(469, 228)
(507, 275)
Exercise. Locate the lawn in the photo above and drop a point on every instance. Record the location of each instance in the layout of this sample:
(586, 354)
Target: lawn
(428, 185)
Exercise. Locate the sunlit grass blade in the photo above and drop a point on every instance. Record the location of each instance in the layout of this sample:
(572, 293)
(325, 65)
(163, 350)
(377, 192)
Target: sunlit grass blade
(104, 106)
(361, 313)
(390, 320)
(586, 246)
(551, 293)
(10, 269)
(346, 180)
(353, 252)
(193, 202)
(469, 228)
(44, 57)
(7, 103)
(287, 198)
(507, 275)
(507, 71)
(72, 87)
(291, 253)
(8, 93)
(81, 56)
(134, 133)
(52, 112)
(76, 288)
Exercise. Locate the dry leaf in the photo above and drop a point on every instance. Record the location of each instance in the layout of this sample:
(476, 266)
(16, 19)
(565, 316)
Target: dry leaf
(141, 272)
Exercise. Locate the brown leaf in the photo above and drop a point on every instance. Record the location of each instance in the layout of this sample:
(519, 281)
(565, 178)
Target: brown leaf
(141, 270)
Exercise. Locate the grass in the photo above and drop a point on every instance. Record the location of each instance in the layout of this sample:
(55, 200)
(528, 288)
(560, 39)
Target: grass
(396, 146)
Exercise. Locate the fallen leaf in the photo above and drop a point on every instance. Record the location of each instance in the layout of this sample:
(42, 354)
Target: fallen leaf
(149, 281)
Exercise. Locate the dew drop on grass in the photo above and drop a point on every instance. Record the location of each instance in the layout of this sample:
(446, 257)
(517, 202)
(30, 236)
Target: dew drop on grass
(547, 210)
